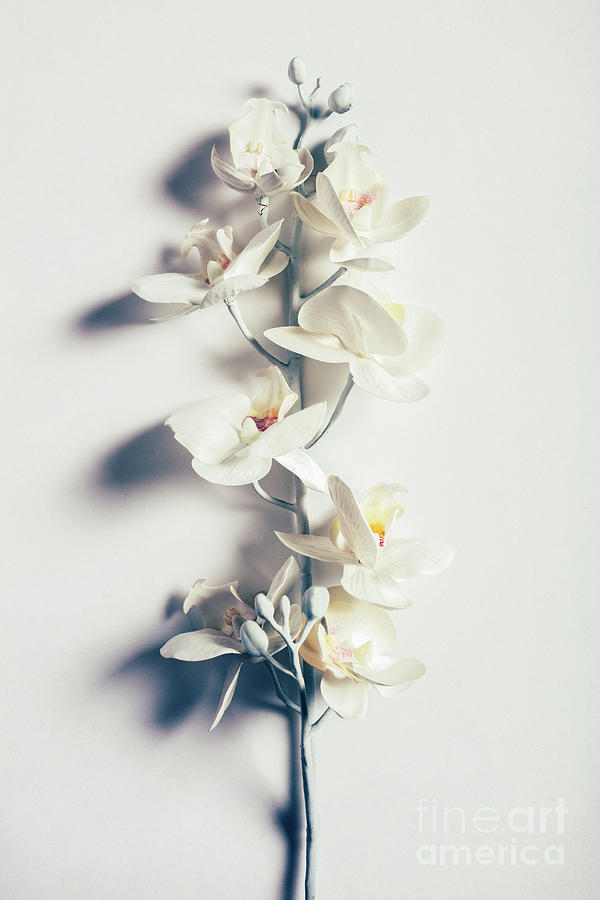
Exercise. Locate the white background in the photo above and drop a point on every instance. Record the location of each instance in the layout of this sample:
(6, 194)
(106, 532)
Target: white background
(112, 786)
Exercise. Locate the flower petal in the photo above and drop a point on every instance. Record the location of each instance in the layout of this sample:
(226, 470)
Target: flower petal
(284, 580)
(373, 587)
(171, 287)
(323, 347)
(355, 528)
(304, 466)
(275, 393)
(402, 673)
(231, 176)
(251, 258)
(313, 217)
(316, 547)
(368, 258)
(229, 686)
(359, 321)
(331, 205)
(210, 428)
(371, 376)
(275, 263)
(212, 602)
(229, 287)
(292, 432)
(400, 218)
(233, 470)
(409, 558)
(346, 697)
(358, 622)
(426, 334)
(195, 646)
(308, 164)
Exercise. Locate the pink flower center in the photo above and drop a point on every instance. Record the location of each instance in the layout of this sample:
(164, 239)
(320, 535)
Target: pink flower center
(353, 200)
(265, 421)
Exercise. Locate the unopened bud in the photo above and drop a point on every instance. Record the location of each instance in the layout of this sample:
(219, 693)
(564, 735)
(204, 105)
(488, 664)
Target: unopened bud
(253, 638)
(263, 606)
(297, 70)
(341, 99)
(315, 602)
(284, 606)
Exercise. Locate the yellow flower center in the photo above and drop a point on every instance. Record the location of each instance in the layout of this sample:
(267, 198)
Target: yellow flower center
(379, 529)
(268, 418)
(353, 200)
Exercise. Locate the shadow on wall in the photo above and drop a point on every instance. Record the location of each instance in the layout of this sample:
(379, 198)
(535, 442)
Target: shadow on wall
(152, 456)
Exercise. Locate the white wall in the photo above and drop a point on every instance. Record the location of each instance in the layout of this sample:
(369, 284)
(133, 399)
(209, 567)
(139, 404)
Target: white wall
(112, 786)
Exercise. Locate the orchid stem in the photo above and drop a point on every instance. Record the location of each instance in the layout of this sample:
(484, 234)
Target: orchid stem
(337, 411)
(325, 284)
(282, 504)
(282, 695)
(236, 315)
(305, 674)
(322, 718)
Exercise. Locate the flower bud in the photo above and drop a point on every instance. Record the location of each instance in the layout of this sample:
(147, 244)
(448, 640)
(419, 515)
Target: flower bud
(284, 606)
(253, 638)
(341, 99)
(315, 602)
(263, 606)
(297, 70)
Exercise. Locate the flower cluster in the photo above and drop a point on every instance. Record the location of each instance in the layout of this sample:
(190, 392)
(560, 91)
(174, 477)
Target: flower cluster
(344, 631)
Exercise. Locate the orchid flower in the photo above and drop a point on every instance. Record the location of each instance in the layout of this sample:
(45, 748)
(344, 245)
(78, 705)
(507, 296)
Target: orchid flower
(223, 612)
(385, 344)
(234, 439)
(263, 158)
(362, 538)
(351, 206)
(224, 273)
(353, 653)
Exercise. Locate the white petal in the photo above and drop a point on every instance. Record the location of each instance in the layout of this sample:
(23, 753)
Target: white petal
(358, 622)
(231, 176)
(359, 321)
(323, 347)
(258, 134)
(308, 165)
(402, 672)
(400, 218)
(210, 429)
(331, 205)
(374, 587)
(284, 580)
(194, 646)
(316, 547)
(212, 602)
(304, 466)
(355, 528)
(293, 432)
(409, 558)
(349, 170)
(234, 470)
(313, 217)
(251, 258)
(275, 263)
(380, 506)
(275, 393)
(373, 378)
(368, 258)
(233, 285)
(346, 697)
(426, 334)
(171, 287)
(229, 686)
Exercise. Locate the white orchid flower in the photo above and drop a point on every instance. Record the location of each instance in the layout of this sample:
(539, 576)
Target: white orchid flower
(223, 612)
(263, 158)
(352, 206)
(224, 273)
(353, 653)
(385, 345)
(234, 439)
(361, 539)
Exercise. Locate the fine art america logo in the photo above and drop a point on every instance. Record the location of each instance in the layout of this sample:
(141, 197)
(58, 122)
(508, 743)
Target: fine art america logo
(522, 835)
